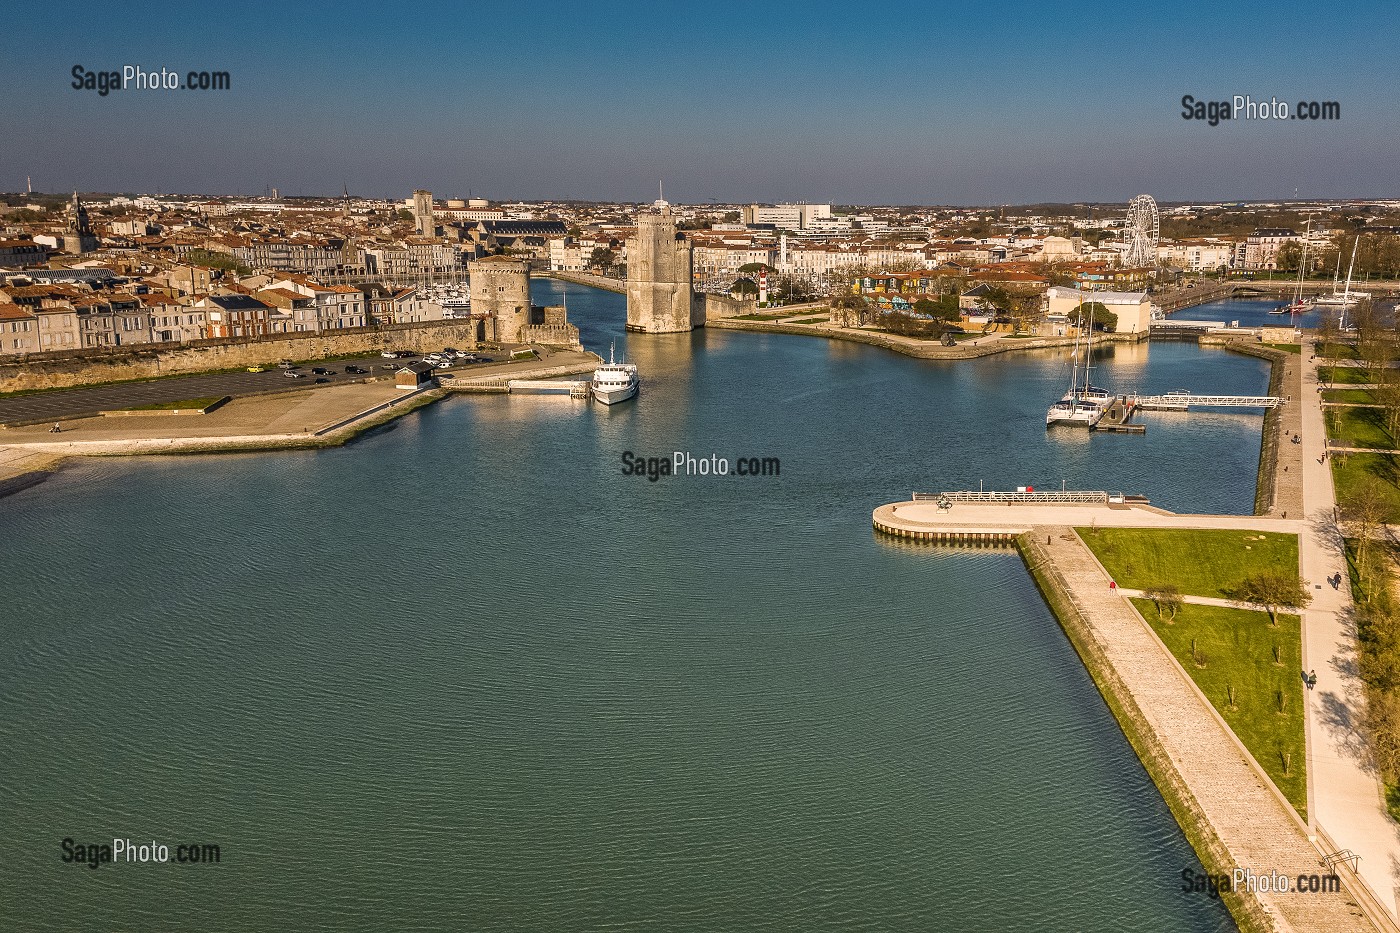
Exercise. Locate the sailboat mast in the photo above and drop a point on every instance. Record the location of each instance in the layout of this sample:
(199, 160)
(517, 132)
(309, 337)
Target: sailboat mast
(1088, 347)
(1302, 265)
(1351, 266)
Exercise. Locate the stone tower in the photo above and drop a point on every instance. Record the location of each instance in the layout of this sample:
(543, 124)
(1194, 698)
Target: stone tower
(78, 238)
(423, 213)
(659, 296)
(500, 286)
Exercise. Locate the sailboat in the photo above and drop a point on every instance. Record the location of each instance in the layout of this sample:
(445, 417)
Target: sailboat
(1298, 305)
(1346, 298)
(1081, 405)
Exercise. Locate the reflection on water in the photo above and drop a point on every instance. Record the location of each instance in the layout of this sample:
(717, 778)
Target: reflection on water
(528, 692)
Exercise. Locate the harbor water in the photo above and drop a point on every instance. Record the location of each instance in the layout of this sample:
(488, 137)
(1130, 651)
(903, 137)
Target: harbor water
(468, 673)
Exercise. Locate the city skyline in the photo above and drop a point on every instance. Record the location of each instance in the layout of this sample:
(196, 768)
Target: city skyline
(876, 106)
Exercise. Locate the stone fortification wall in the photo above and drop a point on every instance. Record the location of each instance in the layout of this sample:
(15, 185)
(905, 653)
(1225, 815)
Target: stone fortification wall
(89, 367)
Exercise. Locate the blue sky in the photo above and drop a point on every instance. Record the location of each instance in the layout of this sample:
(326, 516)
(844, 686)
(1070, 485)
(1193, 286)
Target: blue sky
(841, 102)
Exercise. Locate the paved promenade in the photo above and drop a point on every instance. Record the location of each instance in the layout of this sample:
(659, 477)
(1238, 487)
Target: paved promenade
(1255, 824)
(1344, 791)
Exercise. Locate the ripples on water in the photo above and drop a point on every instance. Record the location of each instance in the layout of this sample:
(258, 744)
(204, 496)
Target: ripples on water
(463, 674)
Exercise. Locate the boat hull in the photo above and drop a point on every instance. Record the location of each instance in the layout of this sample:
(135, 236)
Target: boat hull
(613, 396)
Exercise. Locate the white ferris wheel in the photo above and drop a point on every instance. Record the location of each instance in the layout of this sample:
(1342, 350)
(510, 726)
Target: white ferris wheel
(1143, 233)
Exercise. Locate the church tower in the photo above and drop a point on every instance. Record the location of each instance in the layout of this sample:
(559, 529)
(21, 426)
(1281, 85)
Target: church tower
(79, 237)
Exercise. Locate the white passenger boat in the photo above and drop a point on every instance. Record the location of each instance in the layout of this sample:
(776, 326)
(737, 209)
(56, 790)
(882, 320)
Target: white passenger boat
(615, 382)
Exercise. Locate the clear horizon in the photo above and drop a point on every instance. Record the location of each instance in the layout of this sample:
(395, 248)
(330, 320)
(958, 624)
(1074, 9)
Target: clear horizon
(896, 105)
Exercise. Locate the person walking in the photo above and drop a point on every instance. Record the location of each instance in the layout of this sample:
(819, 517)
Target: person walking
(1312, 679)
(56, 429)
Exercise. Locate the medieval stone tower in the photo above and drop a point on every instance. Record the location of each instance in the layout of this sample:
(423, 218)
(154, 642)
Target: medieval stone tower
(501, 288)
(659, 296)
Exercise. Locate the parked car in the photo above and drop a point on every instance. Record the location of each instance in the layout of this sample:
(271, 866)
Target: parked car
(405, 354)
(322, 379)
(451, 350)
(486, 359)
(286, 364)
(293, 374)
(322, 371)
(389, 366)
(356, 370)
(445, 364)
(389, 354)
(447, 376)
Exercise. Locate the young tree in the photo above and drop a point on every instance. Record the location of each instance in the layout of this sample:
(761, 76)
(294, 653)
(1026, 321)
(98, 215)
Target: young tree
(1366, 511)
(848, 310)
(1167, 600)
(1275, 590)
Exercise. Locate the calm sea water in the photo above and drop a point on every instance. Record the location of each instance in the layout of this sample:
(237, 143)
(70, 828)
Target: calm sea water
(465, 674)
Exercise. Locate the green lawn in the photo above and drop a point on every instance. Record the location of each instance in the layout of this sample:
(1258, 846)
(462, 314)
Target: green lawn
(1237, 647)
(1359, 427)
(1350, 396)
(1349, 471)
(1198, 562)
(1338, 351)
(1286, 347)
(763, 317)
(184, 403)
(809, 320)
(1346, 375)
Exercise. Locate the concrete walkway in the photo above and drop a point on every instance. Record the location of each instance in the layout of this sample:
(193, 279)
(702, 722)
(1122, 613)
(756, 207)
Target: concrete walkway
(1344, 791)
(1218, 601)
(1256, 825)
(976, 516)
(1288, 457)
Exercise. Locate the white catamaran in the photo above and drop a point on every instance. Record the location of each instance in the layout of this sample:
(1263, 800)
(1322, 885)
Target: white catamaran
(1346, 298)
(1081, 405)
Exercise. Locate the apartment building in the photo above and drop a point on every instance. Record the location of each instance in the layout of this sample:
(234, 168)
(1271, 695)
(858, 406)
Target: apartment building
(19, 330)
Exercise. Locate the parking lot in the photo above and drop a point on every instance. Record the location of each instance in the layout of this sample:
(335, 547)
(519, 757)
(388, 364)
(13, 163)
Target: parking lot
(59, 404)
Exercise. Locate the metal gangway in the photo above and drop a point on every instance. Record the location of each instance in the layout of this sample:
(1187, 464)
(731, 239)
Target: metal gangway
(1182, 400)
(576, 388)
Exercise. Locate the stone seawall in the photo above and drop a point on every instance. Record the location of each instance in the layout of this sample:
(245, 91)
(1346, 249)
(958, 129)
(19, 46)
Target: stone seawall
(584, 278)
(69, 369)
(910, 346)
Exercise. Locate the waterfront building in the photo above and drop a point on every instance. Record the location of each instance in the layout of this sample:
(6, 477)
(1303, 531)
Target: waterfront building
(1133, 309)
(1261, 247)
